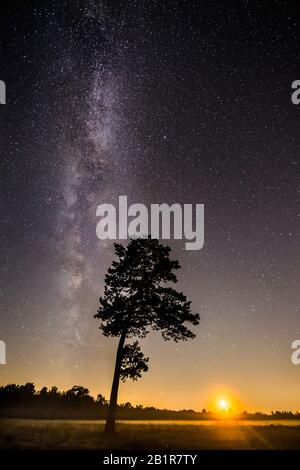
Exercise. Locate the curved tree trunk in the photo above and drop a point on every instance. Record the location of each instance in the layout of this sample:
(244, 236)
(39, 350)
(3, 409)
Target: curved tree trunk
(110, 425)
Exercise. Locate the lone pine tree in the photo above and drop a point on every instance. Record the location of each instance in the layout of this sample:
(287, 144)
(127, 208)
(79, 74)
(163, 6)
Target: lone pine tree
(137, 298)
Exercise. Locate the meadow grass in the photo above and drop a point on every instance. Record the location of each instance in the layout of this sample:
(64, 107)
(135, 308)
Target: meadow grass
(54, 434)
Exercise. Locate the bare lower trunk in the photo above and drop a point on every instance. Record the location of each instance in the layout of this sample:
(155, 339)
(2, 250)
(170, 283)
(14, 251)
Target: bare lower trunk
(110, 426)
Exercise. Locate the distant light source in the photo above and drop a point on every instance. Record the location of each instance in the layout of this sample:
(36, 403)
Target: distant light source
(223, 405)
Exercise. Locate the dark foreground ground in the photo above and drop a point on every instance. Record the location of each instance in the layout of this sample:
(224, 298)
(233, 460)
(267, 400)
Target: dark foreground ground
(41, 434)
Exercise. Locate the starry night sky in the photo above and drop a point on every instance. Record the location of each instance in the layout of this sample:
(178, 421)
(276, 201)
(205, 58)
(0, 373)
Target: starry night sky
(162, 101)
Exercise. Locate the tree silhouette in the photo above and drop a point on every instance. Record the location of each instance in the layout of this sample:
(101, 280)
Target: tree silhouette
(138, 298)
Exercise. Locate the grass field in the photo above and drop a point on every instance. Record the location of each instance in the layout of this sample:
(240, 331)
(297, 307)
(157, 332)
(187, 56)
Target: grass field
(41, 434)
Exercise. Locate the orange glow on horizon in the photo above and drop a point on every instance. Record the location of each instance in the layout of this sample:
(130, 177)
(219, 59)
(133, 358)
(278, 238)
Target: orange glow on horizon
(224, 401)
(223, 405)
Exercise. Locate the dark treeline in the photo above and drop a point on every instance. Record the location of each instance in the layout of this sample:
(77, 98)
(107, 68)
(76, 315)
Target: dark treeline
(24, 401)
